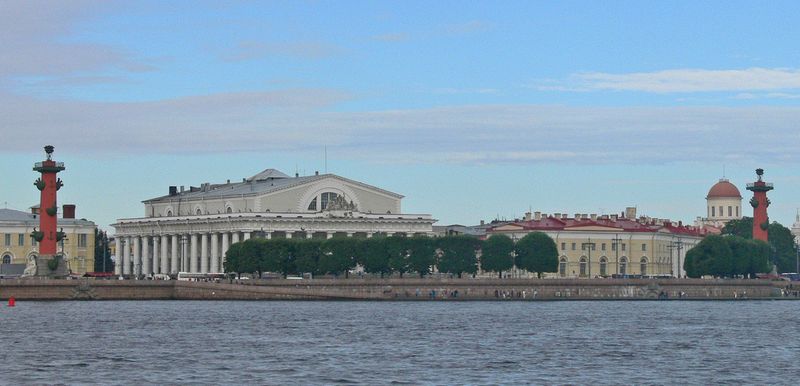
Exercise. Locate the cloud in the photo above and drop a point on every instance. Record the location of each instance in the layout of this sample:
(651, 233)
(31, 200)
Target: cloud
(33, 39)
(681, 81)
(297, 120)
(251, 50)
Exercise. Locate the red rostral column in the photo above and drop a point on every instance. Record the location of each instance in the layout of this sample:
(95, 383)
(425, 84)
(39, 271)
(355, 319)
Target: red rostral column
(47, 235)
(760, 202)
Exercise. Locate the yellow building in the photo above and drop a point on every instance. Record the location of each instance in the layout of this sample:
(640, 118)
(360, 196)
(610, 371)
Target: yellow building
(17, 247)
(607, 245)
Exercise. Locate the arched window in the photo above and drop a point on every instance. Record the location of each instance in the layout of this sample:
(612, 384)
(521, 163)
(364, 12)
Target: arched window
(562, 267)
(644, 266)
(7, 259)
(623, 265)
(583, 266)
(169, 213)
(199, 212)
(326, 198)
(603, 266)
(313, 204)
(229, 210)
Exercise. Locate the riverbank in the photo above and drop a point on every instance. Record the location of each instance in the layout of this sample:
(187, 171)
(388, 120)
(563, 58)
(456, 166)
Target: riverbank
(399, 289)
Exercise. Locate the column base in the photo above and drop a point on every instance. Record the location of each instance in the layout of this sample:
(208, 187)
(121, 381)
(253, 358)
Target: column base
(43, 267)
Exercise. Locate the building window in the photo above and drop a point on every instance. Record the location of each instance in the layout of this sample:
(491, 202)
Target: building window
(199, 212)
(583, 267)
(562, 267)
(563, 246)
(169, 213)
(81, 241)
(623, 265)
(730, 211)
(573, 246)
(7, 259)
(229, 210)
(603, 246)
(644, 266)
(623, 247)
(614, 246)
(326, 198)
(737, 210)
(644, 247)
(603, 266)
(8, 239)
(21, 239)
(721, 212)
(313, 204)
(713, 211)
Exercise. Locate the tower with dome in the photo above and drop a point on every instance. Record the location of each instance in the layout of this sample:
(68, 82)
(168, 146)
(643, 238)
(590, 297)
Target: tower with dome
(723, 204)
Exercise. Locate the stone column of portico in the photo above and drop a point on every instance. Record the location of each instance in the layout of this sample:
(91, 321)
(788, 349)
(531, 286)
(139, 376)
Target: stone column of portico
(225, 245)
(146, 255)
(174, 258)
(117, 259)
(156, 254)
(246, 235)
(268, 235)
(329, 235)
(137, 255)
(164, 254)
(288, 235)
(235, 238)
(193, 266)
(215, 252)
(126, 256)
(204, 253)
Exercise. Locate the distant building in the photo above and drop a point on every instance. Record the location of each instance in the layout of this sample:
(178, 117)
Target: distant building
(17, 246)
(723, 204)
(796, 227)
(604, 245)
(190, 230)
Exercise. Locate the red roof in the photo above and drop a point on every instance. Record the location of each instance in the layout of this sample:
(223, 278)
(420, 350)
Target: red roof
(620, 225)
(724, 189)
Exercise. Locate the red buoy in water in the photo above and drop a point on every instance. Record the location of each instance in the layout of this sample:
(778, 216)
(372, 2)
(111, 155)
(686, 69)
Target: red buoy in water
(12, 302)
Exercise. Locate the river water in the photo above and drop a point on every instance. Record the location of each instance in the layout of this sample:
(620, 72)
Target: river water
(569, 342)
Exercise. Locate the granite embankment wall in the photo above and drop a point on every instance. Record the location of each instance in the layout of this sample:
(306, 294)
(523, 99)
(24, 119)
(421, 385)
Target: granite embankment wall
(393, 289)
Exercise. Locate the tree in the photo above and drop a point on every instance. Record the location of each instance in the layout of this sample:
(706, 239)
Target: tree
(711, 256)
(537, 252)
(274, 255)
(102, 251)
(457, 254)
(397, 251)
(338, 255)
(421, 255)
(305, 254)
(233, 259)
(784, 250)
(497, 254)
(373, 256)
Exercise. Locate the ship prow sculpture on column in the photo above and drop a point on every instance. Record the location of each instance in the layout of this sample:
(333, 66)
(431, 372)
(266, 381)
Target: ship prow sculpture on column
(48, 262)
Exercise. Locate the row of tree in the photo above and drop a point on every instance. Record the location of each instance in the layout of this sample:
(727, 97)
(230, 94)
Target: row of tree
(536, 252)
(727, 256)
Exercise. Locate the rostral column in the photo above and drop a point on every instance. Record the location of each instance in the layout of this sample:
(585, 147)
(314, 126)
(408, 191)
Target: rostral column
(760, 202)
(48, 235)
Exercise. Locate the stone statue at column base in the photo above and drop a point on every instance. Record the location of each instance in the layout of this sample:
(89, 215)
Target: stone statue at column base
(46, 266)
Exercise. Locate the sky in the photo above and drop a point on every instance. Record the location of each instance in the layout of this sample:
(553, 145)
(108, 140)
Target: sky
(473, 110)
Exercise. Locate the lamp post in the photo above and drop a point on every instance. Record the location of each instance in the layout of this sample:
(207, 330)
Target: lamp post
(615, 242)
(677, 245)
(183, 254)
(589, 245)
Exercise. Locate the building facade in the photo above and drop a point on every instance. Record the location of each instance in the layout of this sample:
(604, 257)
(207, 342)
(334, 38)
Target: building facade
(18, 247)
(605, 245)
(190, 230)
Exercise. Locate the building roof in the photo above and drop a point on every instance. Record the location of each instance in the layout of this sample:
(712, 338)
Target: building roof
(268, 181)
(724, 189)
(604, 223)
(27, 218)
